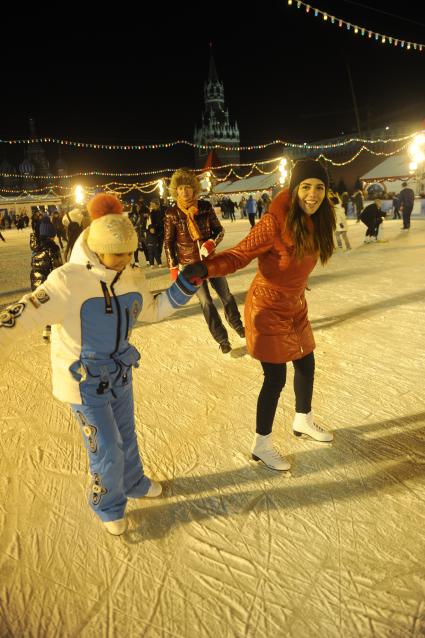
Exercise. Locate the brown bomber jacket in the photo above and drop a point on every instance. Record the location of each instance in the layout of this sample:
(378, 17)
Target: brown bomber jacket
(179, 247)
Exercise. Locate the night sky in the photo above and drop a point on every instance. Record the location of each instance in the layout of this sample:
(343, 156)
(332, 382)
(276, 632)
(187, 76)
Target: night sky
(121, 77)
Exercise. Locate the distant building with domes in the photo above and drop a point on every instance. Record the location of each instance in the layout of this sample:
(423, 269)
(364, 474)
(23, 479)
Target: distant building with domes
(34, 162)
(216, 126)
(36, 154)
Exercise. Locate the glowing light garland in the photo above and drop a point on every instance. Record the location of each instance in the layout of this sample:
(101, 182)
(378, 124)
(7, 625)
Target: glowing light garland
(149, 187)
(112, 174)
(161, 172)
(356, 29)
(363, 148)
(111, 187)
(222, 147)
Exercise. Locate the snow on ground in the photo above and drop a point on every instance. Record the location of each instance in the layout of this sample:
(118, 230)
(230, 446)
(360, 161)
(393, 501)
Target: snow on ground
(335, 548)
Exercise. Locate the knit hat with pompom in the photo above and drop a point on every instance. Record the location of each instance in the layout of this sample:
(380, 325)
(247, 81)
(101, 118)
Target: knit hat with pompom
(110, 232)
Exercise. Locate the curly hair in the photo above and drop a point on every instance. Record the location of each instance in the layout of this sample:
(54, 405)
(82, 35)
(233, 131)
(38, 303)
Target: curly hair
(184, 177)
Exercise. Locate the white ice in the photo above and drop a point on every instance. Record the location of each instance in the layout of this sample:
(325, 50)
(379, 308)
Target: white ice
(334, 549)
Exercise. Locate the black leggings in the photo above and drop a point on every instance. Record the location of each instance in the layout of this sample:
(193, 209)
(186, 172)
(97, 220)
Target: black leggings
(274, 382)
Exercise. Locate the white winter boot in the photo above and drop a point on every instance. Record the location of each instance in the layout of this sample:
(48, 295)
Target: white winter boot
(116, 528)
(304, 424)
(155, 489)
(263, 450)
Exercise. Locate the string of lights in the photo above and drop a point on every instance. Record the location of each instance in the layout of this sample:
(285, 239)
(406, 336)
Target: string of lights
(151, 186)
(49, 188)
(222, 147)
(160, 171)
(215, 175)
(67, 190)
(381, 38)
(363, 148)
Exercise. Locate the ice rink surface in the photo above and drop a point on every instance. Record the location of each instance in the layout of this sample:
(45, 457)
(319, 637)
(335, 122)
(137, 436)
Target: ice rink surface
(335, 548)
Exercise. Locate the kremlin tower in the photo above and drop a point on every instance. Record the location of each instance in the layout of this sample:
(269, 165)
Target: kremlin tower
(216, 127)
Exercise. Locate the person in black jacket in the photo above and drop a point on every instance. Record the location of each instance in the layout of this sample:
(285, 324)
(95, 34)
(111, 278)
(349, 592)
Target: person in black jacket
(46, 227)
(231, 209)
(60, 230)
(372, 217)
(20, 223)
(152, 246)
(73, 231)
(406, 198)
(45, 257)
(138, 218)
(157, 216)
(396, 207)
(358, 201)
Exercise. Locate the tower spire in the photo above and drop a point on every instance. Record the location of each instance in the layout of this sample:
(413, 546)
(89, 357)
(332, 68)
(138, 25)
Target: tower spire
(212, 75)
(216, 126)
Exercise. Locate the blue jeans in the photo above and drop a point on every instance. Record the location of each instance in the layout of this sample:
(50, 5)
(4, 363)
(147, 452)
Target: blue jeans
(231, 312)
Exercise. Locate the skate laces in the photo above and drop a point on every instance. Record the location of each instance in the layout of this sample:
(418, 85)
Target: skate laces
(276, 455)
(317, 427)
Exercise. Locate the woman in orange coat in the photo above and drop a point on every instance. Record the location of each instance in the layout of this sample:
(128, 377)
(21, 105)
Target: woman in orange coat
(296, 231)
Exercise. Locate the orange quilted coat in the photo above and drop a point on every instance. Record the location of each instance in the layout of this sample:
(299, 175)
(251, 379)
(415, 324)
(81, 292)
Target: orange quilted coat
(276, 321)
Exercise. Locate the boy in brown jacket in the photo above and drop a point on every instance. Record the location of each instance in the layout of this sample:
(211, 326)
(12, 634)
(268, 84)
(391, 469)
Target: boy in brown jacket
(191, 232)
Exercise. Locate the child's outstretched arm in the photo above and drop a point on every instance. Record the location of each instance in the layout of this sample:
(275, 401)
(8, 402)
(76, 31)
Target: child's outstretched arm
(158, 307)
(44, 306)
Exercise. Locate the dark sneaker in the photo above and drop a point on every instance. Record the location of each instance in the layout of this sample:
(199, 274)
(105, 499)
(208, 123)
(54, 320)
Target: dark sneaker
(225, 347)
(241, 332)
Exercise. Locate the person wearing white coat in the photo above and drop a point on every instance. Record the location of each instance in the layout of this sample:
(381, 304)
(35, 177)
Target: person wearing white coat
(341, 223)
(93, 303)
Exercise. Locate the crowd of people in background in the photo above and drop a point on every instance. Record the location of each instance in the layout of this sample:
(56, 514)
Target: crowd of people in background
(399, 205)
(148, 221)
(19, 220)
(55, 232)
(249, 207)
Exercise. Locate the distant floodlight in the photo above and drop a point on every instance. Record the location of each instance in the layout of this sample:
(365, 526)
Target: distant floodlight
(205, 181)
(416, 150)
(79, 194)
(282, 170)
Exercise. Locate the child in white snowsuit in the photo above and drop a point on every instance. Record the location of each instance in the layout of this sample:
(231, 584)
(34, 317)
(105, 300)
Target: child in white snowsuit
(93, 303)
(341, 223)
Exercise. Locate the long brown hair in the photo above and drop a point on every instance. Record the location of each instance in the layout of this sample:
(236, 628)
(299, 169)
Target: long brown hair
(321, 239)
